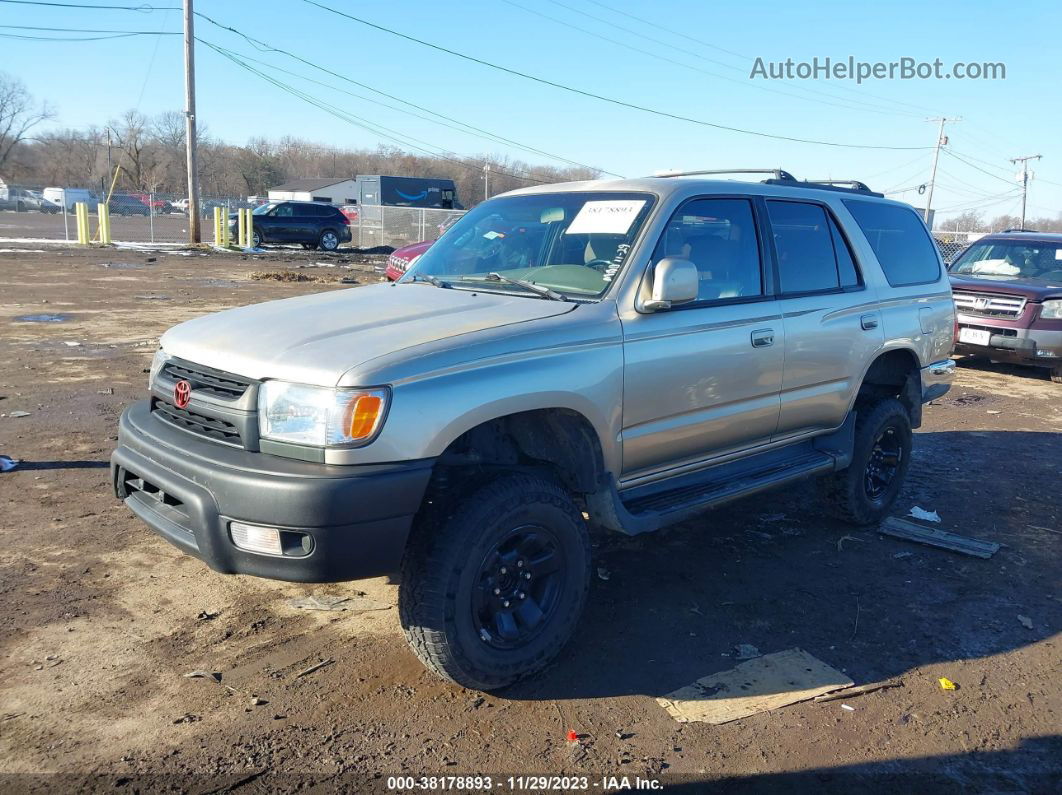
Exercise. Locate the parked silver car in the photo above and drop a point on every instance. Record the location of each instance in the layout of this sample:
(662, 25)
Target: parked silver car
(618, 355)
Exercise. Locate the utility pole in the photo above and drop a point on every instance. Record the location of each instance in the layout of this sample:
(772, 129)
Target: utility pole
(941, 141)
(486, 181)
(189, 124)
(1024, 181)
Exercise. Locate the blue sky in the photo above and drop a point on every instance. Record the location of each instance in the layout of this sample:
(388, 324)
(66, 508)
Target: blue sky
(706, 75)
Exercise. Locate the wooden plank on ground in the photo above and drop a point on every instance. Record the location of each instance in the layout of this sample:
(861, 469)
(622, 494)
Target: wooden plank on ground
(759, 685)
(909, 531)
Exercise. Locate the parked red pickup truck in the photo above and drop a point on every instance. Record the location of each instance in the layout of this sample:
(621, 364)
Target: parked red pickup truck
(1008, 298)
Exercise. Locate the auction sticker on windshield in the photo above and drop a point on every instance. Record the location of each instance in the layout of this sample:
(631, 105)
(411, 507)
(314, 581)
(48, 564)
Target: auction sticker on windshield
(612, 217)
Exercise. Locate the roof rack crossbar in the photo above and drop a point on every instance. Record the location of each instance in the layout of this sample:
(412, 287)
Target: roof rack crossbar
(843, 185)
(778, 173)
(851, 183)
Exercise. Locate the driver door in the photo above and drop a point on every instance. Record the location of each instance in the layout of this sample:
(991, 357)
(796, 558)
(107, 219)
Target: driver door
(703, 379)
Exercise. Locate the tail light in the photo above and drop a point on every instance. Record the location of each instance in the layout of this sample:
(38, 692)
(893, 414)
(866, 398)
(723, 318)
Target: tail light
(346, 221)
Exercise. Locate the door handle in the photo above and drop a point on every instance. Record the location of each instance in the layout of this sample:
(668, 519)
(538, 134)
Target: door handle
(763, 338)
(868, 322)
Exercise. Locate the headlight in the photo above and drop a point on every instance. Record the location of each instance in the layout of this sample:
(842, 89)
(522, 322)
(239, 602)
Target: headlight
(1052, 310)
(319, 416)
(161, 357)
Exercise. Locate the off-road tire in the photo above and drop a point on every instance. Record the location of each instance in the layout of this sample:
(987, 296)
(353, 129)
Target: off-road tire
(444, 561)
(844, 493)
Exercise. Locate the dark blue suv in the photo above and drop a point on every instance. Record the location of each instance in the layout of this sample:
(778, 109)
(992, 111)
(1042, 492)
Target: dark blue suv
(313, 224)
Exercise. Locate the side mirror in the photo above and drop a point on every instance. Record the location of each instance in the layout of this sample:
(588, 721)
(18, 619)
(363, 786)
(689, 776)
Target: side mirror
(675, 281)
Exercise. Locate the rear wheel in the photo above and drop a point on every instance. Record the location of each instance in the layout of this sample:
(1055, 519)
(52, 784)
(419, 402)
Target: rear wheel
(256, 239)
(492, 590)
(329, 241)
(864, 492)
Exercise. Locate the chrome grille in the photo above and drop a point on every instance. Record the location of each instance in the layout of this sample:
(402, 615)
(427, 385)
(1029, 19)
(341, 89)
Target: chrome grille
(210, 427)
(207, 379)
(989, 304)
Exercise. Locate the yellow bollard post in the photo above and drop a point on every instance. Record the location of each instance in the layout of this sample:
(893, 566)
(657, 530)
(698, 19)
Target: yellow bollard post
(241, 228)
(81, 212)
(104, 218)
(217, 227)
(226, 234)
(250, 228)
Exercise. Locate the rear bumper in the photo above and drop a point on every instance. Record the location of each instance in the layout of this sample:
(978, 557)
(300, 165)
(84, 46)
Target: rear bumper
(188, 490)
(936, 379)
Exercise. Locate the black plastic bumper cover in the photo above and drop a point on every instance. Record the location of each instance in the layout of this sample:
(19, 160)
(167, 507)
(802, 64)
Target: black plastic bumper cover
(188, 490)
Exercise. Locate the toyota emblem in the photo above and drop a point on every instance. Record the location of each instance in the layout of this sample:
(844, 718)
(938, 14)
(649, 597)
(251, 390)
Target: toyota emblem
(182, 394)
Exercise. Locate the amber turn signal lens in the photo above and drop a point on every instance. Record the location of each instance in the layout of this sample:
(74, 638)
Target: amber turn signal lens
(363, 414)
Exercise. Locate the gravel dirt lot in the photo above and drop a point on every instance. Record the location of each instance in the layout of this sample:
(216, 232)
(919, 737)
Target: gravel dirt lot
(101, 620)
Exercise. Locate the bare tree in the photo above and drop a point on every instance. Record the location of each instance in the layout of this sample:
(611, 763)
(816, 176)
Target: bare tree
(19, 113)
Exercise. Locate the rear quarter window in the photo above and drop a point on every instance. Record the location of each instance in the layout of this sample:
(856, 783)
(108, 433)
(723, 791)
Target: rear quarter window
(900, 241)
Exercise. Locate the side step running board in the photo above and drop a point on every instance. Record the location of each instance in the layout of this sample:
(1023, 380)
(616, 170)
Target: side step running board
(666, 507)
(648, 508)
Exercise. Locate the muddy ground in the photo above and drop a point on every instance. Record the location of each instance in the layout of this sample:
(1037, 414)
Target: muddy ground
(100, 621)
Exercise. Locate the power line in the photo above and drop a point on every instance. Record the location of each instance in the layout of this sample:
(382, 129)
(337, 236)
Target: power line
(357, 121)
(144, 7)
(743, 56)
(261, 45)
(745, 83)
(978, 168)
(87, 30)
(266, 47)
(28, 37)
(600, 97)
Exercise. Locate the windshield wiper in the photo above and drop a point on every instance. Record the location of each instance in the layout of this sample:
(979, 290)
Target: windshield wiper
(545, 292)
(427, 278)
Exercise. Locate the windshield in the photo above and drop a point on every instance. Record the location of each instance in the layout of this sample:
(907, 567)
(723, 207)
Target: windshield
(573, 243)
(263, 209)
(1010, 259)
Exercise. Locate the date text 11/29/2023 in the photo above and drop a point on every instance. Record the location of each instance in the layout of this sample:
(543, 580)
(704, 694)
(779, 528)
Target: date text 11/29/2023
(521, 783)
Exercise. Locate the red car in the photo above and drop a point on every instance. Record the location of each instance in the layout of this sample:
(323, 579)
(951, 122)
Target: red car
(1008, 297)
(398, 263)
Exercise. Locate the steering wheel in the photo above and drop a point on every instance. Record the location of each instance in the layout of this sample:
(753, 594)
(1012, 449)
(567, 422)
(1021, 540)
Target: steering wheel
(599, 264)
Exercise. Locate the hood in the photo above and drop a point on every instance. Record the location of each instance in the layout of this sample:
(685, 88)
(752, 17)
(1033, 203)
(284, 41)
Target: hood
(314, 339)
(1030, 288)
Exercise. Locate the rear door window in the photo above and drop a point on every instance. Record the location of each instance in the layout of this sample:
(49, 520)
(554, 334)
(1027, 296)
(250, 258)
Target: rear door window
(804, 245)
(900, 242)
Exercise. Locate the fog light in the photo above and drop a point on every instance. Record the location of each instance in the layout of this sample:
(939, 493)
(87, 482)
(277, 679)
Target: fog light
(265, 540)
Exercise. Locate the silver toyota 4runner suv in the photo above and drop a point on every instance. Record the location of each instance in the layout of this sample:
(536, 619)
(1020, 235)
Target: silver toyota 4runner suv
(610, 354)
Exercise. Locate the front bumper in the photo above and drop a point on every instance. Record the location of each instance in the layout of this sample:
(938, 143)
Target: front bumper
(188, 489)
(1036, 346)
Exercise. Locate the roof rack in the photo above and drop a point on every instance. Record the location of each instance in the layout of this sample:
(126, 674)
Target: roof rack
(779, 174)
(844, 185)
(781, 177)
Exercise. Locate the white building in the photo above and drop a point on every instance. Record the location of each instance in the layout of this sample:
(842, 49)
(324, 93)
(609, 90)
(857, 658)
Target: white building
(330, 190)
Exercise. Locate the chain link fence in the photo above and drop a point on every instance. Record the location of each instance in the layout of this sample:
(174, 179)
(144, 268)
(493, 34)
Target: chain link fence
(35, 213)
(951, 244)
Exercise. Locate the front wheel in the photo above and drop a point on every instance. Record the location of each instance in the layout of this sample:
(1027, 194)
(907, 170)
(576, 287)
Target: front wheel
(329, 241)
(864, 492)
(492, 589)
